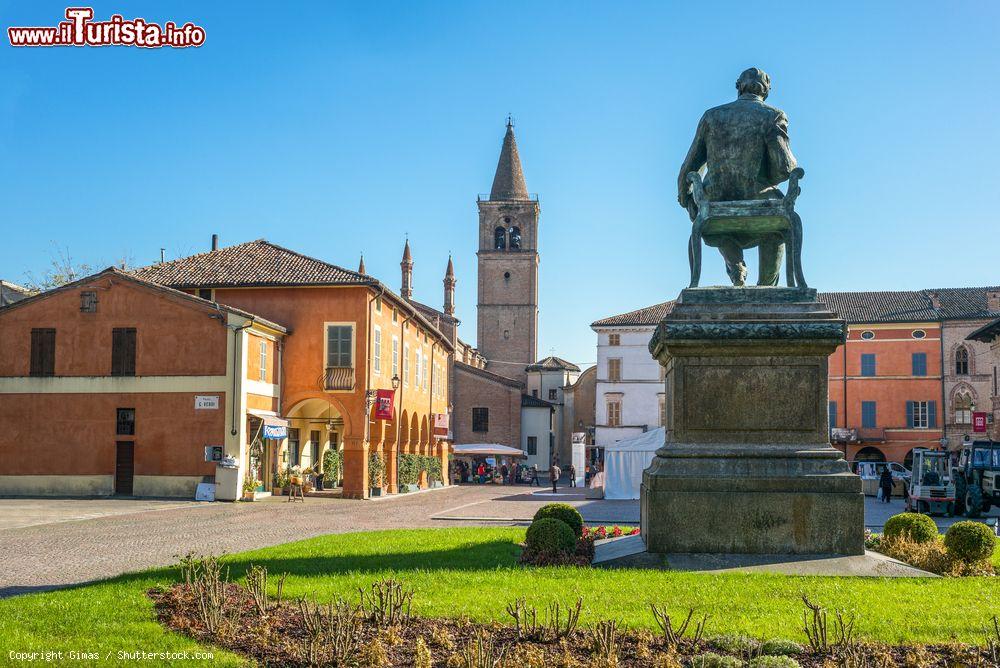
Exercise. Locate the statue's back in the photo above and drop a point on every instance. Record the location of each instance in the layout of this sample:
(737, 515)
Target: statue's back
(737, 154)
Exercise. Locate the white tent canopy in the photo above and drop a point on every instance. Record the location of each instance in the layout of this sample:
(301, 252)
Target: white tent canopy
(486, 449)
(625, 461)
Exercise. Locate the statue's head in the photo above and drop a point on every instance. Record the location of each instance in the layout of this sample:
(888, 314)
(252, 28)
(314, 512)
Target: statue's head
(755, 82)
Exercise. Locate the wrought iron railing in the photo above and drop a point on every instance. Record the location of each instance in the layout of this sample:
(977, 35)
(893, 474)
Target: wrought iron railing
(339, 378)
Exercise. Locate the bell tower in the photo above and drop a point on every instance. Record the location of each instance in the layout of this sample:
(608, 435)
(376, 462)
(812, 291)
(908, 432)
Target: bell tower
(507, 332)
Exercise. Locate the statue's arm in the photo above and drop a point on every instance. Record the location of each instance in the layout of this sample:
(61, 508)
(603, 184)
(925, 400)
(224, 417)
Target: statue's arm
(781, 162)
(693, 162)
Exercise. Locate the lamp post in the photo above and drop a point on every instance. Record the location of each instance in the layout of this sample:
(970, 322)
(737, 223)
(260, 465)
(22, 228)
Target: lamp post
(395, 412)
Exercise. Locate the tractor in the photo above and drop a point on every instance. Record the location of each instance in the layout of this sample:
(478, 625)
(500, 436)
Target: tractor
(977, 477)
(931, 488)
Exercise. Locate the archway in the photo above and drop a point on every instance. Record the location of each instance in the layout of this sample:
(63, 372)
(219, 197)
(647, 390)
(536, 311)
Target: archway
(869, 454)
(425, 441)
(316, 426)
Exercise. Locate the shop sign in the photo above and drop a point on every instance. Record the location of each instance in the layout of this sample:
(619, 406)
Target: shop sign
(203, 402)
(213, 453)
(383, 404)
(441, 424)
(979, 422)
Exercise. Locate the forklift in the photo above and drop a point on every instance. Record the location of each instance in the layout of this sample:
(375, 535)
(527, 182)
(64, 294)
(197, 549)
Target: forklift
(931, 489)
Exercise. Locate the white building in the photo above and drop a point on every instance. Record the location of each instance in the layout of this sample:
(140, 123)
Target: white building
(542, 409)
(629, 396)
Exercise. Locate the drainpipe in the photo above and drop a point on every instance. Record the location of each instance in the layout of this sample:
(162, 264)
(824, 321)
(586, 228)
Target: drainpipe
(846, 445)
(943, 412)
(236, 371)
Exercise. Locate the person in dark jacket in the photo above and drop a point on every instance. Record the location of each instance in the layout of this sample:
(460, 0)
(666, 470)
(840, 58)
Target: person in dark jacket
(885, 482)
(554, 473)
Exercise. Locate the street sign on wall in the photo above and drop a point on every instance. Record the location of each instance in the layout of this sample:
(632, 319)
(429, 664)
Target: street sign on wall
(206, 402)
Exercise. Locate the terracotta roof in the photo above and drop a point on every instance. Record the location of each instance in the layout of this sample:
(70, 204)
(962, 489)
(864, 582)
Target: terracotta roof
(529, 401)
(115, 272)
(986, 333)
(489, 375)
(651, 315)
(251, 264)
(552, 363)
(863, 307)
(431, 313)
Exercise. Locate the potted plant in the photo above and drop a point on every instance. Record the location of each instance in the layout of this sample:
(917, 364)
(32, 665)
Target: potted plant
(376, 474)
(250, 485)
(295, 475)
(280, 482)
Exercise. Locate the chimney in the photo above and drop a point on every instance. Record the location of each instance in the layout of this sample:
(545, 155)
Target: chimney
(215, 242)
(935, 300)
(993, 301)
(163, 252)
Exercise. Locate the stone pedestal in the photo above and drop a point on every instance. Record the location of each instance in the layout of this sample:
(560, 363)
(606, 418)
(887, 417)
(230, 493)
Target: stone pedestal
(747, 466)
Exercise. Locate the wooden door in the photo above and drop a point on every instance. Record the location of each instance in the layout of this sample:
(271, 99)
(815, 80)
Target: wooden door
(124, 467)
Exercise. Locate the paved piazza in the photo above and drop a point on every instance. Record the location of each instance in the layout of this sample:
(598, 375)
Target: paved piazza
(49, 543)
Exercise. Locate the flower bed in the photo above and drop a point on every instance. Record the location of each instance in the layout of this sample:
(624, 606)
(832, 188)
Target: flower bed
(603, 532)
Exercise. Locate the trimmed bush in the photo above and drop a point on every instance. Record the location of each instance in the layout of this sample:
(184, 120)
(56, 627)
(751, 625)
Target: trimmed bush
(779, 647)
(920, 528)
(713, 660)
(970, 542)
(550, 536)
(563, 512)
(774, 662)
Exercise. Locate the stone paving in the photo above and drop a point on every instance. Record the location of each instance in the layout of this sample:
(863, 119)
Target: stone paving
(23, 512)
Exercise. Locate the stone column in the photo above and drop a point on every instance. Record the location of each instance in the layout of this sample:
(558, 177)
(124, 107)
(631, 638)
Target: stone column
(355, 468)
(442, 453)
(747, 466)
(391, 468)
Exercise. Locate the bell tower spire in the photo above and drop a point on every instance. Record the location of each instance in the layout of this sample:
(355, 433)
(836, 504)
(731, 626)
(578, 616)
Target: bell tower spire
(406, 265)
(449, 288)
(508, 181)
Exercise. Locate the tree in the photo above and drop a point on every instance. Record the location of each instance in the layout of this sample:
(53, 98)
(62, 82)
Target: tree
(64, 269)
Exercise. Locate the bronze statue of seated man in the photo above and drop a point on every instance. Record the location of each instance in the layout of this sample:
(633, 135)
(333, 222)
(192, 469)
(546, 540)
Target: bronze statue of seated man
(744, 149)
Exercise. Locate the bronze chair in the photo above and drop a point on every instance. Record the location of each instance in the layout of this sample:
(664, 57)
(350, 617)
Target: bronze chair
(764, 216)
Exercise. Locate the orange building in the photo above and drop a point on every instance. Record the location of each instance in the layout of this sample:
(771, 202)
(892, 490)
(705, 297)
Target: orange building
(349, 337)
(115, 385)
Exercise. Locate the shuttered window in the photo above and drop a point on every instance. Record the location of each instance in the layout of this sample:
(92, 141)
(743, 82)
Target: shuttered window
(869, 415)
(868, 364)
(339, 345)
(919, 364)
(614, 413)
(43, 352)
(921, 414)
(614, 369)
(123, 351)
(832, 409)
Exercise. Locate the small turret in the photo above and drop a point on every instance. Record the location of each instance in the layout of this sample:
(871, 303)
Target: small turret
(406, 288)
(361, 265)
(449, 288)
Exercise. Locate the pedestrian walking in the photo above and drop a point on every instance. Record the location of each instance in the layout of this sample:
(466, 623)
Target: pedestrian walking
(554, 474)
(534, 476)
(885, 482)
(572, 475)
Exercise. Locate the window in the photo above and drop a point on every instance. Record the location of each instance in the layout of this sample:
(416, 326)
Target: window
(532, 445)
(921, 414)
(614, 339)
(43, 352)
(395, 315)
(868, 335)
(480, 419)
(832, 410)
(553, 395)
(416, 368)
(868, 364)
(534, 393)
(869, 415)
(962, 361)
(918, 333)
(88, 301)
(205, 293)
(406, 364)
(339, 345)
(378, 304)
(423, 369)
(263, 361)
(500, 239)
(395, 356)
(377, 351)
(314, 446)
(963, 409)
(125, 422)
(123, 351)
(293, 447)
(615, 413)
(919, 364)
(515, 238)
(614, 369)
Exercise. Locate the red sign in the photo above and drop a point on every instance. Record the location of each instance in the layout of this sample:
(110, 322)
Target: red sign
(383, 404)
(979, 422)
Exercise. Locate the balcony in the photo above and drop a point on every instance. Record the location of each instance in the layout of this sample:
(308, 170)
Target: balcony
(339, 378)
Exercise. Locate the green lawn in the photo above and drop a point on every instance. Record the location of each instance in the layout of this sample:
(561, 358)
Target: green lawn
(470, 571)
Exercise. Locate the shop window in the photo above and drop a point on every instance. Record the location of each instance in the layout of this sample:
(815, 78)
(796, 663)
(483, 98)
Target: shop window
(43, 352)
(125, 422)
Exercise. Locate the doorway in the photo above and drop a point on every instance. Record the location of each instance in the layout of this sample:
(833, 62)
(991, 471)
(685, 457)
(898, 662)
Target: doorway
(124, 467)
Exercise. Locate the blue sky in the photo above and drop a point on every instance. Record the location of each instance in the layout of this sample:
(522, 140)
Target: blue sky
(336, 128)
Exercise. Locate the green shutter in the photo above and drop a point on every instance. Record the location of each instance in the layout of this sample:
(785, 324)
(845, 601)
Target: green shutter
(932, 414)
(909, 414)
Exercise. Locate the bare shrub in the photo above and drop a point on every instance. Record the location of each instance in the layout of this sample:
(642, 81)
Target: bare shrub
(386, 603)
(482, 652)
(422, 655)
(525, 618)
(559, 627)
(256, 585)
(671, 635)
(604, 639)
